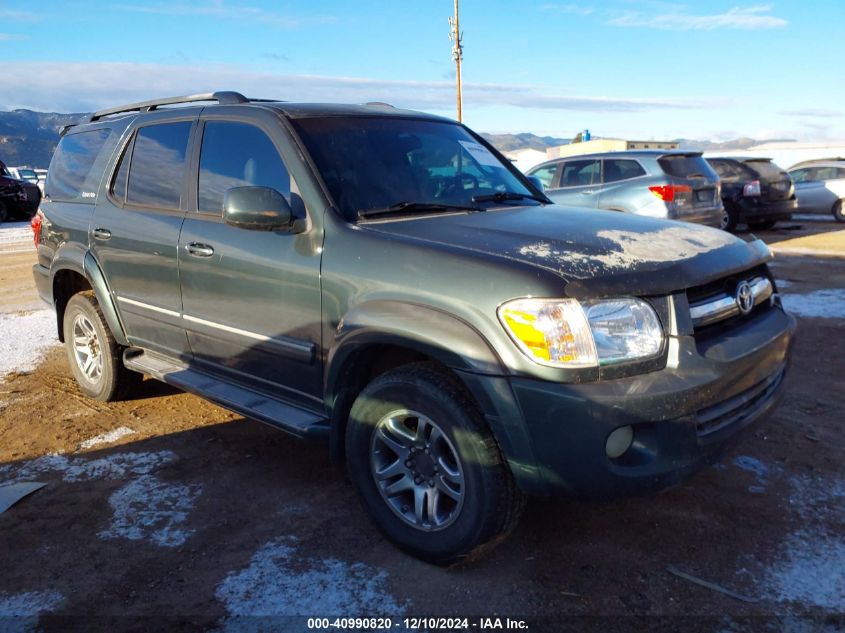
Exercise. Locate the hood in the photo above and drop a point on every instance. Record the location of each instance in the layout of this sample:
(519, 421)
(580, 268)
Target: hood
(595, 252)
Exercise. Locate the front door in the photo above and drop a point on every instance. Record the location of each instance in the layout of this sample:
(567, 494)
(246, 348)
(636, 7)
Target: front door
(579, 184)
(251, 299)
(135, 233)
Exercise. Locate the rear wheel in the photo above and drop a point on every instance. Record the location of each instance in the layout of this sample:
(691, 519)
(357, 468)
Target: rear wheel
(730, 218)
(94, 355)
(427, 468)
(838, 212)
(761, 225)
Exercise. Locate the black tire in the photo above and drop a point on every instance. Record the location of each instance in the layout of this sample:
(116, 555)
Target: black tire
(83, 317)
(838, 211)
(491, 502)
(4, 213)
(730, 218)
(761, 225)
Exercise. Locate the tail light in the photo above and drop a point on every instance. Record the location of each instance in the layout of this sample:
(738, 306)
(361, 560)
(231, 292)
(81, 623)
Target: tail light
(668, 193)
(751, 189)
(35, 223)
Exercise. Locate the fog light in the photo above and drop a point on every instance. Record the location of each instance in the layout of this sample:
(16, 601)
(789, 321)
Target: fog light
(619, 441)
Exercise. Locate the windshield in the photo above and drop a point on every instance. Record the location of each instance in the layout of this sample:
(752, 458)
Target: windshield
(371, 164)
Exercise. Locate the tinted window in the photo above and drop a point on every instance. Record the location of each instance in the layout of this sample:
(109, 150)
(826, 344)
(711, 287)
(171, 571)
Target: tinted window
(686, 165)
(237, 155)
(71, 176)
(158, 165)
(829, 173)
(578, 173)
(619, 169)
(767, 169)
(546, 174)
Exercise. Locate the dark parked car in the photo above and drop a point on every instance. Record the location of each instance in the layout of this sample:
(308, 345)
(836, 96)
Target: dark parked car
(18, 198)
(675, 185)
(387, 282)
(755, 192)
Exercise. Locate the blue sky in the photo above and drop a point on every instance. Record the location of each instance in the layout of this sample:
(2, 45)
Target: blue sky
(636, 69)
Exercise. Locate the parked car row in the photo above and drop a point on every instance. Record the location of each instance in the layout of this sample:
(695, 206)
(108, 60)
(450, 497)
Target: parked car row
(19, 198)
(678, 185)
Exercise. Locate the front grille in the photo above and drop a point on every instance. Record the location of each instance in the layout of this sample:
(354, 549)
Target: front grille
(734, 411)
(715, 306)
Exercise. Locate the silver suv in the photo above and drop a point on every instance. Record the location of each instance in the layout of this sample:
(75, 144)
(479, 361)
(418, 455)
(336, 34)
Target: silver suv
(678, 185)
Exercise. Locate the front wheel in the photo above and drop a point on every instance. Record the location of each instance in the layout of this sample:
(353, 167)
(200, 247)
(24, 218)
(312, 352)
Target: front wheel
(94, 355)
(427, 468)
(730, 218)
(838, 212)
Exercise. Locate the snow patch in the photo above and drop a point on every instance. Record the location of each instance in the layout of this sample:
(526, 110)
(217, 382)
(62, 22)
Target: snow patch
(148, 508)
(629, 248)
(26, 339)
(20, 611)
(73, 469)
(279, 582)
(826, 304)
(811, 570)
(106, 438)
(760, 470)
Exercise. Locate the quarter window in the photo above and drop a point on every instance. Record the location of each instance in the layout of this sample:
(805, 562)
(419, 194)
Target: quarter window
(71, 176)
(157, 170)
(237, 155)
(578, 173)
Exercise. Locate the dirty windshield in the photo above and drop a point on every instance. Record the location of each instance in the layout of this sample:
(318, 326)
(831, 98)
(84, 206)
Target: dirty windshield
(373, 165)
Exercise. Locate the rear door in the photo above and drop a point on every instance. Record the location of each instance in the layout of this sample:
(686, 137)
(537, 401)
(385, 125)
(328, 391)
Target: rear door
(251, 299)
(619, 188)
(812, 194)
(135, 233)
(579, 183)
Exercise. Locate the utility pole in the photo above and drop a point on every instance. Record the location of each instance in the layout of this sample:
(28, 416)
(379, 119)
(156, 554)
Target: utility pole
(456, 37)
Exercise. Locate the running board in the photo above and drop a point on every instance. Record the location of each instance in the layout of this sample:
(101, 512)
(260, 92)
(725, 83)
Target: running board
(287, 417)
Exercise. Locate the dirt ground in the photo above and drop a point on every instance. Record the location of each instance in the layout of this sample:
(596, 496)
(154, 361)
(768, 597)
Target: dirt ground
(168, 512)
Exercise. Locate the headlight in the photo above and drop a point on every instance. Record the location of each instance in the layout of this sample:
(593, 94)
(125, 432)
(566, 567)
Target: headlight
(569, 333)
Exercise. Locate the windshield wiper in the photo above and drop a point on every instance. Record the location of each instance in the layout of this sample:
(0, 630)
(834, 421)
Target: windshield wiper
(427, 207)
(501, 196)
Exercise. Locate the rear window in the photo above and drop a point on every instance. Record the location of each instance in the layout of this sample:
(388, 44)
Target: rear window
(766, 168)
(686, 165)
(72, 176)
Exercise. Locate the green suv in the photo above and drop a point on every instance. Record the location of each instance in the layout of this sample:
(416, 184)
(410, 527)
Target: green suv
(385, 281)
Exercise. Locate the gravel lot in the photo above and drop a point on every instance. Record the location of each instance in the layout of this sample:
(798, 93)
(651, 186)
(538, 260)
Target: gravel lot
(167, 511)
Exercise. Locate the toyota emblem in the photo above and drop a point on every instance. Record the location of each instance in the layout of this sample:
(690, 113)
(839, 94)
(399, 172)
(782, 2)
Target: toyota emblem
(744, 297)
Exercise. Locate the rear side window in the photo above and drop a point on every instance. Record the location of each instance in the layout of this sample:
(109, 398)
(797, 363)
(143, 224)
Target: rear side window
(578, 173)
(237, 155)
(157, 170)
(686, 166)
(621, 169)
(72, 176)
(546, 174)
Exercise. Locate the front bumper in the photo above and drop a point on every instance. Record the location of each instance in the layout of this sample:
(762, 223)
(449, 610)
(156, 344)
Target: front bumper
(682, 415)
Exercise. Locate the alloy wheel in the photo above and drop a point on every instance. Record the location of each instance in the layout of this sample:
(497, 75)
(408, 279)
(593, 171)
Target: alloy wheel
(87, 349)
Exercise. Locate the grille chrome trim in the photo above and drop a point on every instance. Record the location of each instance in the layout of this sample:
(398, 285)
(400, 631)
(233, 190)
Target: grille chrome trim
(723, 306)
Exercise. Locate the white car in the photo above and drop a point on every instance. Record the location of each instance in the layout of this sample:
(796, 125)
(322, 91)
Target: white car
(820, 187)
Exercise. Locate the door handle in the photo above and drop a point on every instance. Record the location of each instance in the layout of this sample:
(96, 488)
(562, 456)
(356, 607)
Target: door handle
(199, 250)
(589, 192)
(101, 234)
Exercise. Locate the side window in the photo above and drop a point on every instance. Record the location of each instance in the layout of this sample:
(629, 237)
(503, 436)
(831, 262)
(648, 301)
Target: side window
(800, 175)
(237, 155)
(158, 165)
(838, 172)
(546, 175)
(578, 173)
(621, 169)
(71, 176)
(824, 173)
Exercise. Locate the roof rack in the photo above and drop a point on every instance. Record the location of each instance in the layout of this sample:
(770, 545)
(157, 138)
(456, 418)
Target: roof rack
(223, 98)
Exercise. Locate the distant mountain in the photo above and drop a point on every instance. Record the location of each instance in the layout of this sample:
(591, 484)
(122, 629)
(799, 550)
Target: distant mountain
(742, 142)
(525, 140)
(29, 138)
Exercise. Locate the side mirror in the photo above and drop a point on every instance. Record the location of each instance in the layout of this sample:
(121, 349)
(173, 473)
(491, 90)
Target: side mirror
(257, 208)
(537, 182)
